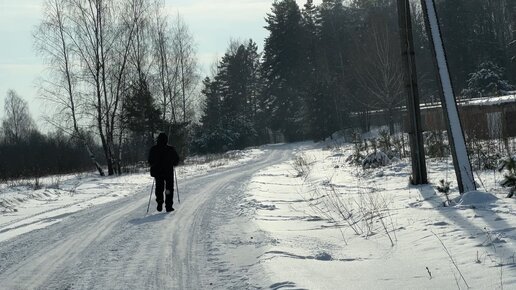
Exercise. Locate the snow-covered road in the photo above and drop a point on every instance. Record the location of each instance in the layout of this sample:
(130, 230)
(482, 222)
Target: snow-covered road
(258, 223)
(115, 246)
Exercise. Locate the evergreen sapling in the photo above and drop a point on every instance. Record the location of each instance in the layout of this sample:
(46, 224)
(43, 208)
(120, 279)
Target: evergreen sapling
(444, 187)
(509, 180)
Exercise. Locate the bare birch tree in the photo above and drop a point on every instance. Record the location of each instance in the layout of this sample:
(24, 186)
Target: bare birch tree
(184, 48)
(102, 37)
(60, 88)
(379, 71)
(97, 50)
(167, 73)
(17, 124)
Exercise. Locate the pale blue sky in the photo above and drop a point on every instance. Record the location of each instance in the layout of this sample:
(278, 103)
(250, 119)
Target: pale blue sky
(212, 22)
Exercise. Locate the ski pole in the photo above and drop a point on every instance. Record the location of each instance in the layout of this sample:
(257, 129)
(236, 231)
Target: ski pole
(177, 187)
(150, 196)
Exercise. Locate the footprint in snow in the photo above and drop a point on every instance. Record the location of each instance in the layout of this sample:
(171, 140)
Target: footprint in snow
(440, 224)
(323, 256)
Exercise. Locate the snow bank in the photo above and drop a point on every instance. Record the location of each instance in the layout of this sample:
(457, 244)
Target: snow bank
(317, 246)
(374, 160)
(475, 198)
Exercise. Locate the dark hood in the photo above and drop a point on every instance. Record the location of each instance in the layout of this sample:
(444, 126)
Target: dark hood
(162, 139)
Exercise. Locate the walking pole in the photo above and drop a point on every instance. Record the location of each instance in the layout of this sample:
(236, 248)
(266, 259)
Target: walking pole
(150, 196)
(177, 187)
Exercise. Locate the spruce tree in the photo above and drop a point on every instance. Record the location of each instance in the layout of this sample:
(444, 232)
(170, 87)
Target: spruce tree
(229, 120)
(140, 113)
(142, 119)
(487, 80)
(282, 68)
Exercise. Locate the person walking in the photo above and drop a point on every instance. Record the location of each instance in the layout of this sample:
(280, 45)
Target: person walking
(162, 159)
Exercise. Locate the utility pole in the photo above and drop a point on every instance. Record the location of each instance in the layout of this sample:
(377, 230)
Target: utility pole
(461, 161)
(415, 131)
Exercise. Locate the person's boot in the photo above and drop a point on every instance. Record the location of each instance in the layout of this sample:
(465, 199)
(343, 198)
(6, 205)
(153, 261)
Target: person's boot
(160, 206)
(168, 201)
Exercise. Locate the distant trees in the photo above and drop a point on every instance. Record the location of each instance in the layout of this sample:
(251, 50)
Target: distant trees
(331, 85)
(319, 63)
(25, 152)
(141, 118)
(348, 59)
(323, 62)
(17, 124)
(377, 69)
(233, 109)
(488, 80)
(476, 32)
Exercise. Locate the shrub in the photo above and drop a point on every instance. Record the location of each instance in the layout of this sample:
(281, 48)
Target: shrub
(509, 166)
(444, 187)
(375, 160)
(302, 165)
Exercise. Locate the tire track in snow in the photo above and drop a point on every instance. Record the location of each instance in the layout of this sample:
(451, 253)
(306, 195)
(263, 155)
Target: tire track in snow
(46, 258)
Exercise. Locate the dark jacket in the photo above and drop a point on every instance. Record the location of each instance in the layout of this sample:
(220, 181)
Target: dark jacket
(162, 159)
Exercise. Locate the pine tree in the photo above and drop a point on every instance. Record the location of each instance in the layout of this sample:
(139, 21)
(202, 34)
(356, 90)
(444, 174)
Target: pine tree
(230, 115)
(282, 68)
(337, 31)
(140, 113)
(487, 80)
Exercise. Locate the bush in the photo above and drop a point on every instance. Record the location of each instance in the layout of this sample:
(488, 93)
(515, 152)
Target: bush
(375, 160)
(40, 155)
(487, 81)
(485, 155)
(444, 187)
(435, 144)
(509, 166)
(302, 165)
(357, 157)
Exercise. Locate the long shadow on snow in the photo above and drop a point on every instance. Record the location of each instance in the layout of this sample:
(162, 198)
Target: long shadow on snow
(149, 219)
(286, 284)
(494, 222)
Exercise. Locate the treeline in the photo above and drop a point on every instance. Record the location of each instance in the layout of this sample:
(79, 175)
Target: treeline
(120, 71)
(480, 37)
(323, 63)
(26, 152)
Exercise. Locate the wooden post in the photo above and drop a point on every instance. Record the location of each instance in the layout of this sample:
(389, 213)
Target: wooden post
(417, 151)
(461, 162)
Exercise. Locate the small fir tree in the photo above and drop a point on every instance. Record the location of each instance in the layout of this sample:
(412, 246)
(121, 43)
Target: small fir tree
(444, 187)
(509, 166)
(487, 81)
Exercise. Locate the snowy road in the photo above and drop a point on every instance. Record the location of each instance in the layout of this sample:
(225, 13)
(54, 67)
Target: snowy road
(114, 246)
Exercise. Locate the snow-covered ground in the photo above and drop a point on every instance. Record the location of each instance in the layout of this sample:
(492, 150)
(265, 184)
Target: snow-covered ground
(293, 216)
(23, 209)
(340, 227)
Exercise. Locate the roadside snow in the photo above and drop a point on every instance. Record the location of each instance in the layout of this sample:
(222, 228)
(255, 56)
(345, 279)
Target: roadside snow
(24, 209)
(474, 198)
(341, 227)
